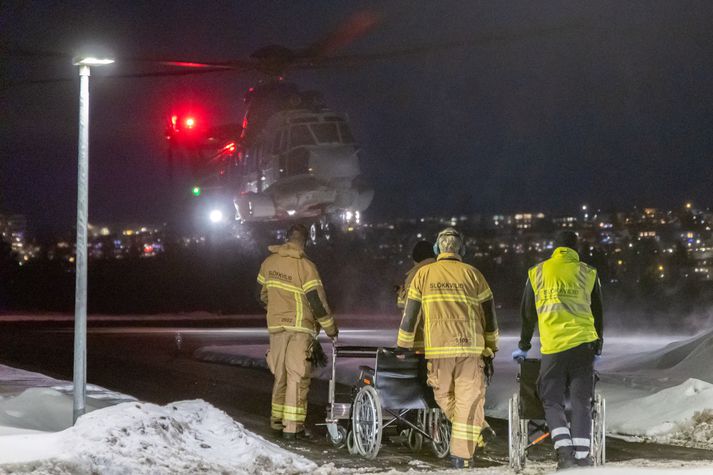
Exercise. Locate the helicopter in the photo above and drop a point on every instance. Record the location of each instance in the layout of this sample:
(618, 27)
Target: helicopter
(291, 158)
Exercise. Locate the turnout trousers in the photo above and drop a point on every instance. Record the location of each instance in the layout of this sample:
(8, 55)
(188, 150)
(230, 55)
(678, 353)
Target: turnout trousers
(571, 370)
(459, 389)
(287, 360)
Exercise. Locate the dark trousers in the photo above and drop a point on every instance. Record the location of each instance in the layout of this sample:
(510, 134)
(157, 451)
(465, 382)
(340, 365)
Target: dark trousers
(569, 371)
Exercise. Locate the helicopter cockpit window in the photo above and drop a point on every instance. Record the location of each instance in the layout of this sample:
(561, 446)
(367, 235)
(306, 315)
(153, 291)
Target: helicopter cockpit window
(283, 141)
(346, 134)
(300, 135)
(326, 132)
(276, 141)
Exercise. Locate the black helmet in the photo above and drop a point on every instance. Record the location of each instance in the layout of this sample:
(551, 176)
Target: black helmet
(422, 250)
(300, 229)
(566, 239)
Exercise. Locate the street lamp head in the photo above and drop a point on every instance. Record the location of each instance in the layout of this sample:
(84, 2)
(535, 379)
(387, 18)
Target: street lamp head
(91, 61)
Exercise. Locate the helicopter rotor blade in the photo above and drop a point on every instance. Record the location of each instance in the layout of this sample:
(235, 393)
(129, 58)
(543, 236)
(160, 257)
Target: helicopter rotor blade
(354, 27)
(425, 50)
(33, 54)
(275, 60)
(153, 74)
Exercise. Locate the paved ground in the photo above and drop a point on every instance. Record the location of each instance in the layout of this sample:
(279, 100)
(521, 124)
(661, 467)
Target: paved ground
(144, 362)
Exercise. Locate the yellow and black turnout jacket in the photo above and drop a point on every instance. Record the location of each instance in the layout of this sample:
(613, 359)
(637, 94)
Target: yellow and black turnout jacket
(458, 311)
(291, 290)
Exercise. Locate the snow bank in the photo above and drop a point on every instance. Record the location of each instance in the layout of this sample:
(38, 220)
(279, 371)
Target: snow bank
(677, 361)
(660, 413)
(142, 438)
(625, 470)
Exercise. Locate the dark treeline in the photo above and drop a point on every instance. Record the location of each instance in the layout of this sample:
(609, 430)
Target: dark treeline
(359, 273)
(213, 277)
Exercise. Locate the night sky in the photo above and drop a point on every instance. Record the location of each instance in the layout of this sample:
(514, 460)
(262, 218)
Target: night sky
(614, 110)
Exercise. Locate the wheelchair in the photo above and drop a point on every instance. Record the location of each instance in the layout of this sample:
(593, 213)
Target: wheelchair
(526, 426)
(394, 396)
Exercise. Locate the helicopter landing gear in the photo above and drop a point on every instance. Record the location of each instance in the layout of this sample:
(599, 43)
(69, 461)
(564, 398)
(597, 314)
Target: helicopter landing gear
(313, 233)
(321, 231)
(327, 231)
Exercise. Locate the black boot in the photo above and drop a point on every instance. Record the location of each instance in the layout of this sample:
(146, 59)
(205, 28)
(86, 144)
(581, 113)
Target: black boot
(565, 458)
(487, 435)
(276, 428)
(459, 462)
(302, 435)
(585, 462)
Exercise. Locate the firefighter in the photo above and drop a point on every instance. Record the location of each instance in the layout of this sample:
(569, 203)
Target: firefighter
(422, 256)
(563, 296)
(460, 332)
(292, 292)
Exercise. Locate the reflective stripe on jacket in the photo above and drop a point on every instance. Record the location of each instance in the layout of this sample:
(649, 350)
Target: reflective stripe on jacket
(450, 293)
(293, 293)
(563, 288)
(406, 339)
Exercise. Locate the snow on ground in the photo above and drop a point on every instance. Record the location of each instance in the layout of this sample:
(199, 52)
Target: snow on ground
(190, 436)
(32, 402)
(657, 388)
(633, 467)
(143, 438)
(120, 435)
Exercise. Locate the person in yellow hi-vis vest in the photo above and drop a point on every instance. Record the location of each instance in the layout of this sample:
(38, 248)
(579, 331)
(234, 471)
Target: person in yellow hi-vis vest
(563, 297)
(460, 332)
(292, 292)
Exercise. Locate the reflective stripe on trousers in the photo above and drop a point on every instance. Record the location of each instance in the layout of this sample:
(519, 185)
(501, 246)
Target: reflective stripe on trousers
(459, 389)
(287, 360)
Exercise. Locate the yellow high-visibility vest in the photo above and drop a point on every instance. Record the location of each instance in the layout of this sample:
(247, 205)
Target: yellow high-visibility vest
(563, 296)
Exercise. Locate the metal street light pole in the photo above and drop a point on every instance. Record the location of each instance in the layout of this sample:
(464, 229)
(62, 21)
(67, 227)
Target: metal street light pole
(80, 295)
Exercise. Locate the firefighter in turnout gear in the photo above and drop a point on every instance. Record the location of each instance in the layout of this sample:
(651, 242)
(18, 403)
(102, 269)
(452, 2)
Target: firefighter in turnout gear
(563, 297)
(422, 256)
(460, 330)
(292, 292)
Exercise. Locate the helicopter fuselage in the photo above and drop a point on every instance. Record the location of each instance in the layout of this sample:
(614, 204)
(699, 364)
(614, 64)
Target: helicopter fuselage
(303, 164)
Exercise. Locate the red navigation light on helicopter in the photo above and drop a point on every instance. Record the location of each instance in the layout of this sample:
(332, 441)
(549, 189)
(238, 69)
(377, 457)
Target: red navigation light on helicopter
(230, 148)
(190, 122)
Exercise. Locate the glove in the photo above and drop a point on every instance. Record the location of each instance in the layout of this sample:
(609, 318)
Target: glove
(401, 352)
(489, 369)
(519, 355)
(316, 354)
(598, 347)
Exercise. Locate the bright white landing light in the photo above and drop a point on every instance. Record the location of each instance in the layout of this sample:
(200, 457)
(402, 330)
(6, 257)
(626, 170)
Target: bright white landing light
(216, 216)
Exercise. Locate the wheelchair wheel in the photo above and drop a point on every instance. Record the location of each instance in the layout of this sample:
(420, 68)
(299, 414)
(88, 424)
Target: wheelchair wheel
(341, 438)
(414, 440)
(599, 441)
(367, 422)
(517, 435)
(350, 443)
(440, 429)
